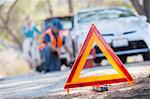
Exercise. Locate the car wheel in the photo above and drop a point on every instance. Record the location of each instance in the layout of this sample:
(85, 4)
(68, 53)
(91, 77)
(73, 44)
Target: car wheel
(146, 56)
(123, 59)
(63, 61)
(98, 61)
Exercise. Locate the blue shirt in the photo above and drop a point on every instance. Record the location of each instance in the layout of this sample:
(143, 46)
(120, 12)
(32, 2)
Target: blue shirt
(29, 32)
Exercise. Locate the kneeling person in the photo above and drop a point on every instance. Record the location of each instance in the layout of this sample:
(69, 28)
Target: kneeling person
(53, 41)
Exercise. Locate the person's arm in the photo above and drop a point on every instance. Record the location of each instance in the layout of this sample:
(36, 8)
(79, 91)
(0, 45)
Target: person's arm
(37, 30)
(66, 47)
(48, 42)
(68, 50)
(52, 47)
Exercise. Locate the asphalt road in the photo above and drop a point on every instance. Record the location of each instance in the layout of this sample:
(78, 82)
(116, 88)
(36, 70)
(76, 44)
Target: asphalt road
(35, 84)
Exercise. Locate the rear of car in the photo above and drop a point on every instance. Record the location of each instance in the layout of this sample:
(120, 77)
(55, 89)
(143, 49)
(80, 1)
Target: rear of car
(126, 33)
(66, 22)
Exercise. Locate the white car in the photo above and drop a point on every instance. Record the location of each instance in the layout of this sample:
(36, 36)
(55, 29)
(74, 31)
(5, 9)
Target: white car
(127, 33)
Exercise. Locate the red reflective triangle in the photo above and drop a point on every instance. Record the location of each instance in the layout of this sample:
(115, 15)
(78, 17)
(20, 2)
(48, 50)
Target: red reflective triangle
(75, 81)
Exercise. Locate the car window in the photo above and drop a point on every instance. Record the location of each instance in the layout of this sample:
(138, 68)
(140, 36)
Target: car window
(103, 14)
(66, 23)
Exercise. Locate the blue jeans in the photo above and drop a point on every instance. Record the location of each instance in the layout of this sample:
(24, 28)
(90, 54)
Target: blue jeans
(51, 60)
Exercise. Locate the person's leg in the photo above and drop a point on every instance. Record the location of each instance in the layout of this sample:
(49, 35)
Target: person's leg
(56, 63)
(35, 52)
(46, 54)
(26, 52)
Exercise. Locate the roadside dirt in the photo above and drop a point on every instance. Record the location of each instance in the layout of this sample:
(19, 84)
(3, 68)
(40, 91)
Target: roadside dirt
(139, 90)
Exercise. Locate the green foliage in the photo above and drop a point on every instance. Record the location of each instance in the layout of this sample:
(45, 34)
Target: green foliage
(2, 47)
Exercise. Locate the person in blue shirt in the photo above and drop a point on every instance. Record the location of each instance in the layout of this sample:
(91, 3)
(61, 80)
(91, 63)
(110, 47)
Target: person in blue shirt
(30, 48)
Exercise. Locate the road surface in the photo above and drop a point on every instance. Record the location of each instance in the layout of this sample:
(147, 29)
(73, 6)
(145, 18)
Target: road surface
(35, 85)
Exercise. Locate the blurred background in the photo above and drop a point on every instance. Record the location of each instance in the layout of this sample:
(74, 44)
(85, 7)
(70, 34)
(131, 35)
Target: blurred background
(14, 12)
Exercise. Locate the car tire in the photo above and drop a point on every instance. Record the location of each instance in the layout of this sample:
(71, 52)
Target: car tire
(98, 60)
(63, 61)
(123, 59)
(146, 56)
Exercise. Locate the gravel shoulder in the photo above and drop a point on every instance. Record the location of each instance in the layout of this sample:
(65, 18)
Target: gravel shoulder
(139, 90)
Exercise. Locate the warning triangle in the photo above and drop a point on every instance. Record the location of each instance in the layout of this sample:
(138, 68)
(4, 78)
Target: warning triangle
(74, 79)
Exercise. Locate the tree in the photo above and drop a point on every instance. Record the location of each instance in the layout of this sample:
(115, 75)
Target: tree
(70, 4)
(142, 8)
(50, 7)
(5, 21)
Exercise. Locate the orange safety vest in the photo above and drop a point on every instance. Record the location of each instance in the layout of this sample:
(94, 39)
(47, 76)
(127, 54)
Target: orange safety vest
(57, 43)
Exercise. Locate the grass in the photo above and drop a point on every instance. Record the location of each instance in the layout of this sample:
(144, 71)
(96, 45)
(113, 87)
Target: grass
(12, 63)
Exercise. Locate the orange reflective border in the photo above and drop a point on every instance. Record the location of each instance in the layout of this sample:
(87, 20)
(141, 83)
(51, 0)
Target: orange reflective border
(103, 82)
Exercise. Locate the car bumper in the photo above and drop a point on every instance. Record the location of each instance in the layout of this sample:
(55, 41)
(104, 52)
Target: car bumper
(135, 47)
(127, 52)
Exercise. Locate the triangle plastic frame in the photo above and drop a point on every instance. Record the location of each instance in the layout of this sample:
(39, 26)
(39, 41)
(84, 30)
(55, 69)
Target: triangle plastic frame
(75, 81)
